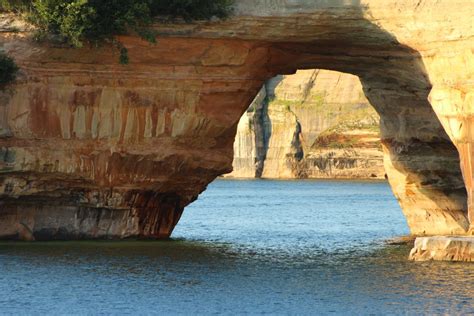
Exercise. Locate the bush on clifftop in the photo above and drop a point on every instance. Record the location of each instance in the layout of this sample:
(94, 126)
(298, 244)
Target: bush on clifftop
(76, 21)
(192, 9)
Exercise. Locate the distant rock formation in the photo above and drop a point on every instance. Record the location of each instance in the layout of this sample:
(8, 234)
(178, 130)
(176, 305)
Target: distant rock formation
(313, 124)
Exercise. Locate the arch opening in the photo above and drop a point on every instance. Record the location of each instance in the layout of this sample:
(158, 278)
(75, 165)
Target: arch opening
(319, 124)
(312, 124)
(421, 162)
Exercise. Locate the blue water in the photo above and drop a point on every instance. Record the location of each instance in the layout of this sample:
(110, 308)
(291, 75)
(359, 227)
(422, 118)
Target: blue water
(246, 247)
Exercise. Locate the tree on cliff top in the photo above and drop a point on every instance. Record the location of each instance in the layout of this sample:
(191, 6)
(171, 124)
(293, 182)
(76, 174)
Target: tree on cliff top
(76, 21)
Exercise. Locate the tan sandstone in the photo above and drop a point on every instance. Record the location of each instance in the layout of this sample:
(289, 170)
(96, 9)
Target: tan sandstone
(313, 124)
(443, 248)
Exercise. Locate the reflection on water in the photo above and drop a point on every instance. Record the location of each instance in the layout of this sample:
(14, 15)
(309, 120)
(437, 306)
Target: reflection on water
(245, 247)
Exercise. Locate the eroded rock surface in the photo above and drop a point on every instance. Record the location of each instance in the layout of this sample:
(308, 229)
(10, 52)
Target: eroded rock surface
(93, 149)
(313, 124)
(443, 248)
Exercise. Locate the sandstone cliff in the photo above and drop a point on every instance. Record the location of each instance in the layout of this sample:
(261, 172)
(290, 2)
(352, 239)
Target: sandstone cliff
(313, 124)
(93, 149)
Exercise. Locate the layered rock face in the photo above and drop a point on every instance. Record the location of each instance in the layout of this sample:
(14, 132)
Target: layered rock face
(93, 149)
(313, 124)
(98, 150)
(443, 248)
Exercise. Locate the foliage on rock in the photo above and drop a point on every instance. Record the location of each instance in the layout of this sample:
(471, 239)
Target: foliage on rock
(13, 5)
(76, 21)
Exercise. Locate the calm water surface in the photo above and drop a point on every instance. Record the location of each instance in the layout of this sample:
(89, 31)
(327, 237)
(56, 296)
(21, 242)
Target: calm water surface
(246, 247)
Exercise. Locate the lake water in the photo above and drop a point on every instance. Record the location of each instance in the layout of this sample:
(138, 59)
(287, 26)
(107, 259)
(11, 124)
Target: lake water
(246, 247)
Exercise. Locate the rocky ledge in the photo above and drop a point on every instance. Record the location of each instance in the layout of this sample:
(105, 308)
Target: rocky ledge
(443, 248)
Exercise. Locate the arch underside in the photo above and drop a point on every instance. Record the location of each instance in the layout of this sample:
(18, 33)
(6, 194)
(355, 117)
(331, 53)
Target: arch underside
(91, 149)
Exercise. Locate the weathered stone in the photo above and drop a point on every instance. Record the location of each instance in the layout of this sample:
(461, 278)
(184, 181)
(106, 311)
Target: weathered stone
(81, 132)
(313, 124)
(443, 248)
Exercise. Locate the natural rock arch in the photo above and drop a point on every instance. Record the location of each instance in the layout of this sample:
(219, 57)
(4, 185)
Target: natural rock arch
(92, 149)
(309, 125)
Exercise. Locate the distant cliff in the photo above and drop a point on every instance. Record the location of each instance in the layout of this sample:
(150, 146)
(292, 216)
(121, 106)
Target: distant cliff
(313, 124)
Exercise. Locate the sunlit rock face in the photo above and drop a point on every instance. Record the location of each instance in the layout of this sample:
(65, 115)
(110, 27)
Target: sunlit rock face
(313, 124)
(443, 248)
(93, 149)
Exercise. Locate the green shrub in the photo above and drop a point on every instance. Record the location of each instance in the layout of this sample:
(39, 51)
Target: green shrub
(67, 19)
(123, 59)
(192, 9)
(76, 21)
(8, 69)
